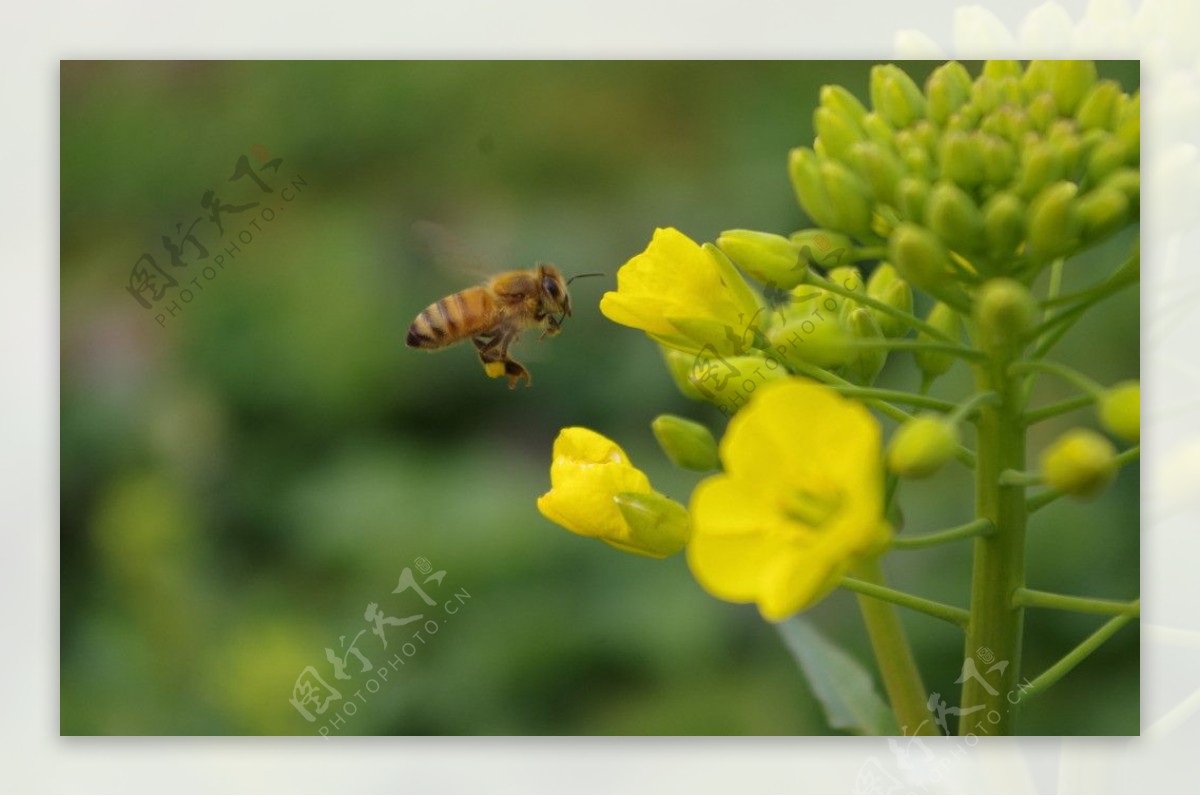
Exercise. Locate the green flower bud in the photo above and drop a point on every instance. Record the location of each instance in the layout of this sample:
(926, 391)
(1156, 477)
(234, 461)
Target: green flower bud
(878, 130)
(729, 381)
(1035, 80)
(771, 259)
(920, 446)
(917, 161)
(898, 295)
(1081, 463)
(841, 101)
(819, 339)
(912, 194)
(1010, 123)
(819, 247)
(922, 259)
(895, 96)
(810, 190)
(952, 214)
(1053, 225)
(1005, 314)
(866, 363)
(884, 275)
(999, 159)
(943, 318)
(1042, 111)
(1002, 69)
(879, 167)
(679, 365)
(987, 94)
(837, 132)
(1120, 410)
(659, 526)
(1129, 124)
(1003, 225)
(948, 87)
(1063, 136)
(1040, 166)
(848, 197)
(1129, 182)
(961, 159)
(1070, 82)
(1102, 212)
(1105, 158)
(1097, 111)
(687, 444)
(847, 276)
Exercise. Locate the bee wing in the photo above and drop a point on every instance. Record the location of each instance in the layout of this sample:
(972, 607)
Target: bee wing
(449, 253)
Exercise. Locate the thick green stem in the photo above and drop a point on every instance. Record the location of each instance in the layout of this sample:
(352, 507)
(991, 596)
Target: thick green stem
(901, 679)
(994, 631)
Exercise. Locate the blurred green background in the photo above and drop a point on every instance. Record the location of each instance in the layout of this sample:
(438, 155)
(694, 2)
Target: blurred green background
(240, 481)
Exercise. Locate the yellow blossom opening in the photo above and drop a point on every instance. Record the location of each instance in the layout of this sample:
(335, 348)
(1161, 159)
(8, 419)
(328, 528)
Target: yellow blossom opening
(596, 491)
(799, 504)
(684, 295)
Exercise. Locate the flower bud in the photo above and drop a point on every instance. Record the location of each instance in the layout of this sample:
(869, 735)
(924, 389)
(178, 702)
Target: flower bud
(679, 365)
(943, 318)
(948, 87)
(1081, 463)
(917, 161)
(1129, 182)
(810, 191)
(866, 363)
(878, 130)
(659, 527)
(848, 277)
(1129, 125)
(1001, 69)
(822, 248)
(1003, 225)
(1105, 158)
(1042, 110)
(837, 132)
(1070, 81)
(961, 159)
(920, 446)
(895, 96)
(879, 167)
(897, 295)
(1053, 226)
(728, 382)
(1040, 166)
(841, 101)
(1102, 212)
(912, 194)
(1063, 136)
(1120, 410)
(771, 259)
(1098, 109)
(999, 159)
(1035, 80)
(1005, 314)
(819, 339)
(921, 258)
(687, 444)
(848, 199)
(953, 216)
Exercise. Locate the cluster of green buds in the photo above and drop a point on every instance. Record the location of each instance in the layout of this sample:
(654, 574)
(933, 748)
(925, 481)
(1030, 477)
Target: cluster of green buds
(972, 179)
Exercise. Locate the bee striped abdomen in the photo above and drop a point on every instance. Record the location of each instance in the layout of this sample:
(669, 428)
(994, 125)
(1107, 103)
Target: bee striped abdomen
(449, 320)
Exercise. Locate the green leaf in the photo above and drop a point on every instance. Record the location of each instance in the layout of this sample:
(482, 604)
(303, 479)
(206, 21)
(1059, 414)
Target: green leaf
(841, 684)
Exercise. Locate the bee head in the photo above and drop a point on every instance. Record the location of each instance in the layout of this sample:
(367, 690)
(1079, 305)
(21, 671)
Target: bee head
(556, 301)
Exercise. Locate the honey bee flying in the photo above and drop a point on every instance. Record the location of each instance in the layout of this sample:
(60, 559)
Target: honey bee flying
(494, 314)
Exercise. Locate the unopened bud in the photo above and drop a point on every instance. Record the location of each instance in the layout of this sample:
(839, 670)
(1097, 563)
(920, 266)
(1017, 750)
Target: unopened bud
(952, 214)
(961, 159)
(1070, 81)
(810, 190)
(1120, 409)
(1043, 110)
(895, 96)
(843, 102)
(1081, 463)
(948, 87)
(922, 259)
(1005, 314)
(659, 527)
(1097, 110)
(880, 168)
(687, 444)
(837, 132)
(999, 159)
(1105, 158)
(1053, 225)
(771, 259)
(943, 318)
(822, 248)
(679, 365)
(912, 194)
(1102, 212)
(849, 201)
(1000, 69)
(1040, 166)
(920, 446)
(897, 295)
(878, 130)
(867, 362)
(1003, 225)
(819, 339)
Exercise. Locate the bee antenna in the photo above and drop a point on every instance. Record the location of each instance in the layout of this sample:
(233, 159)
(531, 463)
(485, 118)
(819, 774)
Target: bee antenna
(581, 276)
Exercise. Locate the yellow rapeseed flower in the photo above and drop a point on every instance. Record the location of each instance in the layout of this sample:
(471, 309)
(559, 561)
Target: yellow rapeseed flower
(595, 491)
(685, 295)
(799, 504)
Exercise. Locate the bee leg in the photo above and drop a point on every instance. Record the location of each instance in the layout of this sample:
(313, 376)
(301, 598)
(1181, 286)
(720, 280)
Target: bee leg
(515, 372)
(490, 354)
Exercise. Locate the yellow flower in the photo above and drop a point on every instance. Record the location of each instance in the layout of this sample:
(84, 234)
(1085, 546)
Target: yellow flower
(595, 491)
(685, 295)
(799, 504)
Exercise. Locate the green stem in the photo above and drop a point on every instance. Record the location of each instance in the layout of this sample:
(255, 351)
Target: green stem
(1078, 655)
(1032, 598)
(969, 530)
(896, 396)
(947, 613)
(999, 566)
(909, 344)
(964, 409)
(1060, 408)
(901, 678)
(1019, 478)
(862, 298)
(1062, 371)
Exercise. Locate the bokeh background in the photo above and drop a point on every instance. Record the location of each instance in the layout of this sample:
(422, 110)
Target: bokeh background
(240, 481)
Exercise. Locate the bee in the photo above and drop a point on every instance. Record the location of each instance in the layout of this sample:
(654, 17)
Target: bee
(494, 314)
